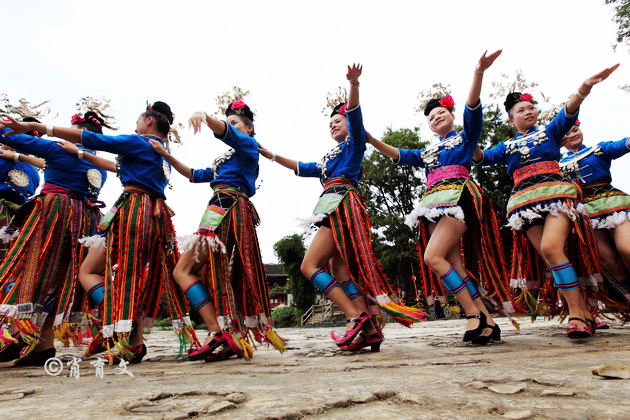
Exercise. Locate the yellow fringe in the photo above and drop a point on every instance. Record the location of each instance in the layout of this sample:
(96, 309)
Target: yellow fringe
(275, 340)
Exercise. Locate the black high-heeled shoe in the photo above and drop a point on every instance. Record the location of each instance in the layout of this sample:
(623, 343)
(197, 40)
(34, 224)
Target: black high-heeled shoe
(469, 335)
(496, 333)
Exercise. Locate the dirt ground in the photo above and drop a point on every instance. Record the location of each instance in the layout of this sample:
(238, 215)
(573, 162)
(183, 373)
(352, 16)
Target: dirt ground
(422, 372)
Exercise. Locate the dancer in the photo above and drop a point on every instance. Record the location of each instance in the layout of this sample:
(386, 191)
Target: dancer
(453, 207)
(344, 236)
(542, 204)
(42, 265)
(226, 244)
(607, 207)
(140, 251)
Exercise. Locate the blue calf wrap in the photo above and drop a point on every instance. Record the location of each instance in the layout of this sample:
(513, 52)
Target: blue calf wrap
(97, 293)
(565, 276)
(472, 288)
(323, 281)
(198, 295)
(452, 281)
(351, 289)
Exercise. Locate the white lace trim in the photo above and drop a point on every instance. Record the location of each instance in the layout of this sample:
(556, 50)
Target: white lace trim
(433, 214)
(309, 221)
(525, 216)
(6, 237)
(94, 241)
(609, 222)
(199, 244)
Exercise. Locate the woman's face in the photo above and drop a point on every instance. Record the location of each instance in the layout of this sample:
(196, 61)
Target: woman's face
(573, 139)
(142, 125)
(441, 121)
(338, 127)
(524, 116)
(237, 122)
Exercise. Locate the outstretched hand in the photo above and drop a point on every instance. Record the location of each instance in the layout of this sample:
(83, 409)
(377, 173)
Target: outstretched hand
(354, 72)
(68, 147)
(601, 76)
(196, 120)
(7, 154)
(486, 61)
(17, 127)
(157, 147)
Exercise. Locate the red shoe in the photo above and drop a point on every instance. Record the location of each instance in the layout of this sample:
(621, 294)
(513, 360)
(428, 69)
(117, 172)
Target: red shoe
(12, 350)
(373, 340)
(575, 332)
(351, 334)
(38, 358)
(138, 351)
(207, 349)
(221, 355)
(96, 346)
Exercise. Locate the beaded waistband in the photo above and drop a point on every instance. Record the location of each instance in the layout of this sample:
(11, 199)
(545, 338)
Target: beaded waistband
(337, 182)
(49, 188)
(452, 171)
(548, 167)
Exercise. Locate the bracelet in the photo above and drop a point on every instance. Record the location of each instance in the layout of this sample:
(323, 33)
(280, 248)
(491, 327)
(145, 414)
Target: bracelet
(357, 84)
(16, 157)
(80, 154)
(273, 157)
(580, 95)
(49, 130)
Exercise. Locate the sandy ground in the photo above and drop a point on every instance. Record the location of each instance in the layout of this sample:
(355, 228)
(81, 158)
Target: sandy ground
(421, 372)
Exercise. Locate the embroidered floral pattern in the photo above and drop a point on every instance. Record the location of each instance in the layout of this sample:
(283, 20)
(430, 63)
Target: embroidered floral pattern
(94, 177)
(322, 165)
(220, 161)
(430, 154)
(18, 178)
(525, 144)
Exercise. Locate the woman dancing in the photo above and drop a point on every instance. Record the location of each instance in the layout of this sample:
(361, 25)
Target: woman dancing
(42, 265)
(344, 236)
(226, 244)
(607, 207)
(140, 251)
(445, 211)
(543, 202)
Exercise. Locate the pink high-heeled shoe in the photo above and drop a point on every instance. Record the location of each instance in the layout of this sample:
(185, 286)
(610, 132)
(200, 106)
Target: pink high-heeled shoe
(351, 334)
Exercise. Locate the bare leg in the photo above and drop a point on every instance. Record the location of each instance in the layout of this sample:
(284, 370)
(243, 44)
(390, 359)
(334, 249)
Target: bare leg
(185, 275)
(93, 268)
(445, 235)
(549, 242)
(621, 236)
(340, 272)
(608, 253)
(321, 250)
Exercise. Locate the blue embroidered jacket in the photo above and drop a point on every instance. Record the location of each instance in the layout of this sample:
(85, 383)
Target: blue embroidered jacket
(593, 163)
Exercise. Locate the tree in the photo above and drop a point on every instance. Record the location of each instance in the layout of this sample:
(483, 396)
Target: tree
(622, 19)
(290, 251)
(391, 192)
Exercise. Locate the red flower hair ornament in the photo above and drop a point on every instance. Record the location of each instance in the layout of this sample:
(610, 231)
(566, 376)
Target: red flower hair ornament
(447, 102)
(237, 105)
(526, 97)
(76, 119)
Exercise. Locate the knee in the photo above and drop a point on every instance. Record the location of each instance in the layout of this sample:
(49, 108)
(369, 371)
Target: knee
(307, 268)
(552, 252)
(432, 259)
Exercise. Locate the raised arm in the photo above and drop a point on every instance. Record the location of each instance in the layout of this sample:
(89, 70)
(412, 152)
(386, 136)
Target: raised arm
(287, 163)
(179, 166)
(97, 161)
(353, 75)
(217, 126)
(582, 92)
(384, 148)
(19, 157)
(480, 68)
(72, 135)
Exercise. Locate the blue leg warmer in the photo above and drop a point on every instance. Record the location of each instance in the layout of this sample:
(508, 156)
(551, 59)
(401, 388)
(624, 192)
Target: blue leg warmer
(351, 289)
(452, 281)
(97, 293)
(472, 288)
(323, 281)
(198, 295)
(565, 276)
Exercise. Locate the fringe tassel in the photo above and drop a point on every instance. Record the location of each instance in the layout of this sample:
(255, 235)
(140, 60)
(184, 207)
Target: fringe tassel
(402, 314)
(274, 339)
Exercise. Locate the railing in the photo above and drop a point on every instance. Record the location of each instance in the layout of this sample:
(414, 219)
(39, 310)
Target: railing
(327, 309)
(307, 315)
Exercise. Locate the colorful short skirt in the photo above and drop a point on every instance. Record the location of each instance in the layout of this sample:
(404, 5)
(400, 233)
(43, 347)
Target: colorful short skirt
(606, 206)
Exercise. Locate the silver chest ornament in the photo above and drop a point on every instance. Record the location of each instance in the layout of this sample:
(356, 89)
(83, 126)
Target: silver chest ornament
(430, 154)
(572, 166)
(322, 165)
(220, 161)
(18, 178)
(524, 145)
(94, 177)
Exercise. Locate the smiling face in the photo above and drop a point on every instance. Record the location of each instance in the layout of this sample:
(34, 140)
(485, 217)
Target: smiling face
(237, 122)
(441, 121)
(524, 116)
(573, 139)
(142, 125)
(338, 128)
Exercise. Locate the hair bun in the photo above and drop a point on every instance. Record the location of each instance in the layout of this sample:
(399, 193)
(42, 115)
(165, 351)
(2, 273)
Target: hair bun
(163, 109)
(93, 118)
(30, 119)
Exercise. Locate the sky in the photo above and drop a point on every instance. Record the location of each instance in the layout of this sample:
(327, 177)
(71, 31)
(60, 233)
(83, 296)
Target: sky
(290, 55)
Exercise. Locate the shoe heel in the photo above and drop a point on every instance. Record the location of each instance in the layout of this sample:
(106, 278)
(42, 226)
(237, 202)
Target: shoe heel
(375, 347)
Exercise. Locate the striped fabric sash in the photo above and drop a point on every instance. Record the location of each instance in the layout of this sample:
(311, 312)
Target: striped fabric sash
(49, 188)
(452, 171)
(337, 182)
(548, 167)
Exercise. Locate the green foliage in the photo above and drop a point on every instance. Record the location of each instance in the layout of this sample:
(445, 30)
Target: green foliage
(391, 192)
(622, 19)
(290, 251)
(286, 316)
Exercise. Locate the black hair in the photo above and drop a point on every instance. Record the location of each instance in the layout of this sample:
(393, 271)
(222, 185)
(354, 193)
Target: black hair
(244, 112)
(32, 133)
(163, 116)
(340, 109)
(92, 122)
